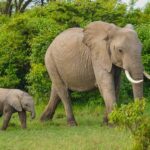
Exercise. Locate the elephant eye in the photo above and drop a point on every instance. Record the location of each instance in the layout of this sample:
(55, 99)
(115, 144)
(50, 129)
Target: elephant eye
(120, 50)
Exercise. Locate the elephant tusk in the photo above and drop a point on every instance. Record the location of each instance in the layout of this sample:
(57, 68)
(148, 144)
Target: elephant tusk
(146, 75)
(131, 79)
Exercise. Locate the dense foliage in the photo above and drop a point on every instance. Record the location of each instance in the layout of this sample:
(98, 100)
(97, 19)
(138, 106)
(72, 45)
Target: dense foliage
(24, 39)
(132, 117)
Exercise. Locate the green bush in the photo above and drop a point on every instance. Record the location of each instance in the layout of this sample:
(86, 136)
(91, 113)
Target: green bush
(14, 62)
(24, 39)
(39, 85)
(132, 117)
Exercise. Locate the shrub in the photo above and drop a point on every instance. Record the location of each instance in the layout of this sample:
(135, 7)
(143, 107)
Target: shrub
(39, 85)
(24, 39)
(14, 61)
(132, 117)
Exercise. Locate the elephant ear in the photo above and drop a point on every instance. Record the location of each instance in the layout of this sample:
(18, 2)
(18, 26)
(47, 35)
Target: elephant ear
(97, 36)
(13, 99)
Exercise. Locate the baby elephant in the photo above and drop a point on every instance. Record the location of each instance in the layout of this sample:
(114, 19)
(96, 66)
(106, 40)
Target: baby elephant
(14, 100)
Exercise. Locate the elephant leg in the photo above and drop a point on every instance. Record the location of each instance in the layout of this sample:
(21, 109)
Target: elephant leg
(22, 117)
(61, 90)
(1, 114)
(6, 119)
(52, 105)
(107, 87)
(65, 97)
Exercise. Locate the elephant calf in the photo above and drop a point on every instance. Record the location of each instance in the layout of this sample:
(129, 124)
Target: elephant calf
(14, 100)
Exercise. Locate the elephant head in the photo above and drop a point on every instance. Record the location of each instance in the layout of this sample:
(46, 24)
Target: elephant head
(21, 101)
(111, 45)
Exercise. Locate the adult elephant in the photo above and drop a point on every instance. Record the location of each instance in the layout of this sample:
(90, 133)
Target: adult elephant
(82, 59)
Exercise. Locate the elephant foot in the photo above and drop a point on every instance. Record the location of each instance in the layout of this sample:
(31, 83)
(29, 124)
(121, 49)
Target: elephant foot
(72, 122)
(23, 127)
(105, 120)
(44, 117)
(107, 123)
(3, 129)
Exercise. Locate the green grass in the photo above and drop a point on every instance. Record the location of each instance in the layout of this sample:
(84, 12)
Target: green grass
(90, 134)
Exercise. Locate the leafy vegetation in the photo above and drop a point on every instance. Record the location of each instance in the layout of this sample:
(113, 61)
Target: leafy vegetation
(132, 117)
(24, 39)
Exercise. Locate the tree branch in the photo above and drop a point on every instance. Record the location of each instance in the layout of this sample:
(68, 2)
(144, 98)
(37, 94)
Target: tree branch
(25, 5)
(16, 6)
(8, 7)
(20, 4)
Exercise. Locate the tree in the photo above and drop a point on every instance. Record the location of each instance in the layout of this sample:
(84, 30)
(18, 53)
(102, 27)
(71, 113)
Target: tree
(131, 4)
(2, 6)
(9, 6)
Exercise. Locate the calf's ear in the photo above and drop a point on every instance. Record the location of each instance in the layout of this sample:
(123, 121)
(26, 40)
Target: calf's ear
(13, 99)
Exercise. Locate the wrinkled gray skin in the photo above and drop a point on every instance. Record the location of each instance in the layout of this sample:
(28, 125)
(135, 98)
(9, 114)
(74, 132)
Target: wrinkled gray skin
(14, 100)
(80, 60)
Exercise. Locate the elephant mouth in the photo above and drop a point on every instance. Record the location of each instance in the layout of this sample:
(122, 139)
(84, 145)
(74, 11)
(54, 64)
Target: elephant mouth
(136, 81)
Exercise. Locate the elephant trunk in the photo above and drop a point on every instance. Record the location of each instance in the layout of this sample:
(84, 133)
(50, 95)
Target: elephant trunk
(137, 84)
(137, 74)
(33, 114)
(131, 79)
(138, 90)
(134, 71)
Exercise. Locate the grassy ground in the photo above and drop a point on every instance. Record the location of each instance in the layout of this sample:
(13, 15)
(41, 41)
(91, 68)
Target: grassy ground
(90, 134)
